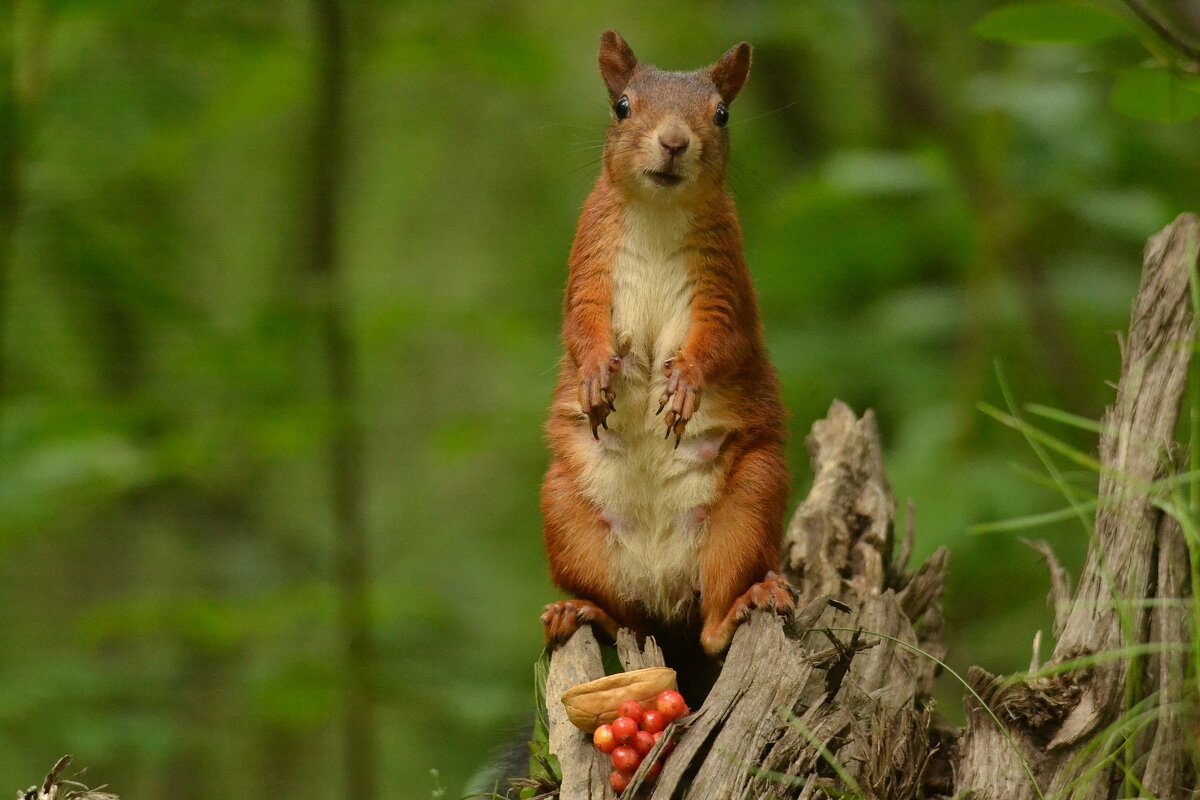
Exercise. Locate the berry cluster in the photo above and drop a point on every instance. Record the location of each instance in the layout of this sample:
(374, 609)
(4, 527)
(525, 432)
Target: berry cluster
(633, 734)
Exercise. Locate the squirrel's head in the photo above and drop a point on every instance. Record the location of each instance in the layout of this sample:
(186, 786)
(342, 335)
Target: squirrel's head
(668, 135)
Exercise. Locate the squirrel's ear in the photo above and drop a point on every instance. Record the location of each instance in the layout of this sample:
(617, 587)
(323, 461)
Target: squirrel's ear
(617, 63)
(729, 74)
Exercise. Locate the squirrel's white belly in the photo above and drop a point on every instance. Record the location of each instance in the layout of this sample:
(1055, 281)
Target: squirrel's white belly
(655, 497)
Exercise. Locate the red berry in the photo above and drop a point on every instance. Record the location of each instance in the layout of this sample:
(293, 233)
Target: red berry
(603, 739)
(653, 721)
(671, 704)
(653, 772)
(631, 709)
(620, 780)
(624, 729)
(643, 742)
(626, 759)
(667, 748)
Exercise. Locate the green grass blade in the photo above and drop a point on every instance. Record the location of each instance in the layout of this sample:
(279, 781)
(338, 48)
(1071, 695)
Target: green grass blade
(1082, 480)
(1095, 659)
(1030, 432)
(1032, 520)
(816, 744)
(1048, 463)
(1065, 417)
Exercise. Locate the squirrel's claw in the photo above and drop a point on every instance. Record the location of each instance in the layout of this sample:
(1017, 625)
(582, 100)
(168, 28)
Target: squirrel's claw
(681, 398)
(596, 395)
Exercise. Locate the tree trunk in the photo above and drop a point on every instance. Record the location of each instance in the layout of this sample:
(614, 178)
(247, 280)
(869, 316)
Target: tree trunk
(345, 453)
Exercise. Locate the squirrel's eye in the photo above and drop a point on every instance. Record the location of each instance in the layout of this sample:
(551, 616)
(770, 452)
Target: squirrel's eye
(722, 115)
(622, 107)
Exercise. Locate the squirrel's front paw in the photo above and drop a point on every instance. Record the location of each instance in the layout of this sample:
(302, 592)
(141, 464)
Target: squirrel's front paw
(681, 398)
(596, 396)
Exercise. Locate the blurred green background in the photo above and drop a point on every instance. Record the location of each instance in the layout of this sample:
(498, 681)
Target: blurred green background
(917, 202)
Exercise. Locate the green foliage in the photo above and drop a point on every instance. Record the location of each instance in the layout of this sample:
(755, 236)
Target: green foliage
(1158, 94)
(1050, 23)
(1165, 91)
(916, 203)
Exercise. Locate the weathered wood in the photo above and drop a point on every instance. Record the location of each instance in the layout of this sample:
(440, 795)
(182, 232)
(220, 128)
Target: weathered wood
(1167, 774)
(846, 522)
(638, 656)
(1135, 560)
(575, 662)
(1060, 586)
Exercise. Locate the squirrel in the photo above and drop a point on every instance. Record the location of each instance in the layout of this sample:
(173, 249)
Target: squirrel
(663, 504)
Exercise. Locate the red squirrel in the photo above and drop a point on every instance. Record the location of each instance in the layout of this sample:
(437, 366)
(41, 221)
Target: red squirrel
(663, 505)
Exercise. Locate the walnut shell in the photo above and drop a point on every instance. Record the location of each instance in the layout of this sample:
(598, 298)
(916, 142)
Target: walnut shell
(590, 705)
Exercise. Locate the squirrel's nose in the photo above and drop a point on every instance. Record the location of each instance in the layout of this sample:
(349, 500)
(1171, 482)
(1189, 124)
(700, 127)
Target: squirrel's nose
(674, 142)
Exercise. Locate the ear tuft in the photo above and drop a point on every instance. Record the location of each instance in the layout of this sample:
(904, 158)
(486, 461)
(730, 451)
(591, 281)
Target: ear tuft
(617, 63)
(729, 74)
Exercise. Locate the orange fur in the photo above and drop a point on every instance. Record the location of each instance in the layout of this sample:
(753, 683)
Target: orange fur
(725, 403)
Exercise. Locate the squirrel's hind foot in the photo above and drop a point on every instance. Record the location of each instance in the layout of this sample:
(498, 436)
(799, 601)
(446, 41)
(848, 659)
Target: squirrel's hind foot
(563, 617)
(773, 593)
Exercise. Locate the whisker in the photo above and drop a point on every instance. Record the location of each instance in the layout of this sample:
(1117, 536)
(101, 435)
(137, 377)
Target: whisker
(739, 171)
(574, 171)
(585, 147)
(566, 125)
(739, 121)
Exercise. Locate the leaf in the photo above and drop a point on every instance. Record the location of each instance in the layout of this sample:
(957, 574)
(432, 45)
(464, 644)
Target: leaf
(1049, 23)
(1157, 94)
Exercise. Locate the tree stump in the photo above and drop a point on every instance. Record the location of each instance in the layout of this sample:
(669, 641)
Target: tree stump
(835, 700)
(1130, 593)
